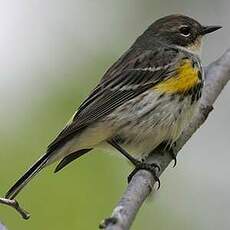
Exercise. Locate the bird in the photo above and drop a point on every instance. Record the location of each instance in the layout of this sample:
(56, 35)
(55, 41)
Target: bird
(144, 100)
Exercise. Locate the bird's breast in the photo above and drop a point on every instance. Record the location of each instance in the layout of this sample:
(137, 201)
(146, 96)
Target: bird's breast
(186, 76)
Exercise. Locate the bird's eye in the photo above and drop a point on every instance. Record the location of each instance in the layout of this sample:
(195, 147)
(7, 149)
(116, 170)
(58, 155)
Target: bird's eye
(185, 31)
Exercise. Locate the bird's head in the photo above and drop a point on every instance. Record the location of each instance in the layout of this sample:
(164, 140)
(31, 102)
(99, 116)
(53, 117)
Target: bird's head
(181, 31)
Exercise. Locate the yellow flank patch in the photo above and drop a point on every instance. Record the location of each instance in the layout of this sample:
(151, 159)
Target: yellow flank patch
(185, 78)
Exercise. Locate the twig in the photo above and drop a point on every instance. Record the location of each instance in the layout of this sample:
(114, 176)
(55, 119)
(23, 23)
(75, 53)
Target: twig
(14, 204)
(217, 75)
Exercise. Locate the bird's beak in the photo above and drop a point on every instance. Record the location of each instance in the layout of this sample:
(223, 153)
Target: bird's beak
(209, 29)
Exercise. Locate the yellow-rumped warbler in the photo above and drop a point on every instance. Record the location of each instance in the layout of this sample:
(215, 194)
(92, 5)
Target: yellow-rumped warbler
(143, 100)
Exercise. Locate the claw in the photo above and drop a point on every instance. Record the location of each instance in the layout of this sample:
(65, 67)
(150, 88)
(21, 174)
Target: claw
(156, 166)
(158, 182)
(170, 149)
(173, 155)
(175, 162)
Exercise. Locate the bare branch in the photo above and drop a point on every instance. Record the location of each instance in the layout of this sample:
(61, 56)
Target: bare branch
(217, 75)
(14, 204)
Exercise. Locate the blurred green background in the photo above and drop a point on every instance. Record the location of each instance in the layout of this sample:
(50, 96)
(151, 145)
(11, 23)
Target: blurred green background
(52, 53)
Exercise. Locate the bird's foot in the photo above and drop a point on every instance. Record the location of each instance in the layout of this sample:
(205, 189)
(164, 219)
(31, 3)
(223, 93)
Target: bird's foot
(151, 167)
(170, 149)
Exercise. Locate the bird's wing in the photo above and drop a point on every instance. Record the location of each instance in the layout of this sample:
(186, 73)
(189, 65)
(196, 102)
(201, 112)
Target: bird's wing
(134, 73)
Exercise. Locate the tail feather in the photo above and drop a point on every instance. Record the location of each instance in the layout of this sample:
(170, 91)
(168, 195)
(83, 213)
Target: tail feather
(20, 184)
(69, 158)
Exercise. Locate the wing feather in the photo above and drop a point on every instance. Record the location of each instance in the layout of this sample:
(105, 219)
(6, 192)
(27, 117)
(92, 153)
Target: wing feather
(118, 86)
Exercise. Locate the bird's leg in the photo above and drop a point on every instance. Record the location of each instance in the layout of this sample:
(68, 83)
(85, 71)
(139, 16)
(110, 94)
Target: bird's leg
(138, 164)
(124, 152)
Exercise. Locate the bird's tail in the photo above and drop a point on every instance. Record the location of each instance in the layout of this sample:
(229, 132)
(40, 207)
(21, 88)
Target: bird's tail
(31, 172)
